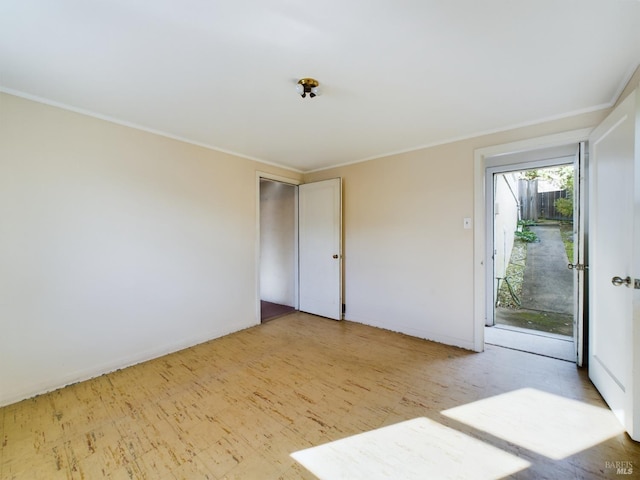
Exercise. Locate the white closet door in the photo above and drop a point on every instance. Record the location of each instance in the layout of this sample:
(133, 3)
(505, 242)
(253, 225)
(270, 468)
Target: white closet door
(320, 247)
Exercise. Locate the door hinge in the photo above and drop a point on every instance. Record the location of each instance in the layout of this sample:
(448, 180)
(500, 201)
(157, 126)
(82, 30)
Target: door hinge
(578, 266)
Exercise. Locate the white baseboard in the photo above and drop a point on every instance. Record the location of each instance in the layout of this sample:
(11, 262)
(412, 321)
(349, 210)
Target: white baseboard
(7, 397)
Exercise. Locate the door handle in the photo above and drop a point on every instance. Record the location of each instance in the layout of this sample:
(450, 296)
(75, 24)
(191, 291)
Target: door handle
(335, 256)
(617, 281)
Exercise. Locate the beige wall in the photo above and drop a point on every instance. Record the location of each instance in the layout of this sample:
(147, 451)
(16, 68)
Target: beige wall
(408, 262)
(116, 246)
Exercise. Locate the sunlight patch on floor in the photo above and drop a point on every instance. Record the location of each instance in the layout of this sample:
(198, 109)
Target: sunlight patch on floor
(548, 424)
(415, 449)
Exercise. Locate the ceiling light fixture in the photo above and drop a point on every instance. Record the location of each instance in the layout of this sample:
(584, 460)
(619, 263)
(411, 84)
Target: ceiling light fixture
(307, 85)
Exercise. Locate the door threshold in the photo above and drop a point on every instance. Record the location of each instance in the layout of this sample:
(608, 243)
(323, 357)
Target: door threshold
(530, 341)
(530, 331)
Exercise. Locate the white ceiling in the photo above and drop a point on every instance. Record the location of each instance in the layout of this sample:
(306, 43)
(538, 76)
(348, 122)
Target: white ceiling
(394, 75)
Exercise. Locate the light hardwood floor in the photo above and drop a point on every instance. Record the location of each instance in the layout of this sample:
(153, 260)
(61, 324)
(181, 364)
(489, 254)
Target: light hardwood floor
(239, 406)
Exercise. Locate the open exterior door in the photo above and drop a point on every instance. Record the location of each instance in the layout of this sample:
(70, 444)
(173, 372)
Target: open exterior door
(579, 260)
(320, 248)
(614, 261)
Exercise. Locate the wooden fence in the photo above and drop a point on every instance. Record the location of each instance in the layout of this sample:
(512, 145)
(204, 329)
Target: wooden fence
(546, 206)
(536, 205)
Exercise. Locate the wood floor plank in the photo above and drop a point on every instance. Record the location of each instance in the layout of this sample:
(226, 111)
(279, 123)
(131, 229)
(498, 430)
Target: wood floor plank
(239, 406)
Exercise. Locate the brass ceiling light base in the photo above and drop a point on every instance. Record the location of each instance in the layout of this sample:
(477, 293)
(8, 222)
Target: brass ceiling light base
(307, 86)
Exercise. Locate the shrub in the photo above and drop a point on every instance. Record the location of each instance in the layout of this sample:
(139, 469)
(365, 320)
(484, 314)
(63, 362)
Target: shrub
(564, 206)
(526, 223)
(526, 236)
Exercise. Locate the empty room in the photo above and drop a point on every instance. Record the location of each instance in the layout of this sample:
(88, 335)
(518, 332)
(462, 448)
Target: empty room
(266, 240)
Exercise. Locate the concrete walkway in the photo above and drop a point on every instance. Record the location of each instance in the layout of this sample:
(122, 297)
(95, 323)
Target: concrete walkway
(548, 283)
(547, 287)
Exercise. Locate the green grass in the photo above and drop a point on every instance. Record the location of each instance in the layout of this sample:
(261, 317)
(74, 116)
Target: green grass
(566, 232)
(558, 323)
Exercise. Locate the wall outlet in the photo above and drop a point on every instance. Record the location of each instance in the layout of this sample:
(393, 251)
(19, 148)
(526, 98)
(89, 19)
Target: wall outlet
(466, 223)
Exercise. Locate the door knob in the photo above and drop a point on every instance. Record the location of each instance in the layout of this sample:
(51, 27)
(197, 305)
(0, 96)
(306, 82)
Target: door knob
(617, 281)
(335, 256)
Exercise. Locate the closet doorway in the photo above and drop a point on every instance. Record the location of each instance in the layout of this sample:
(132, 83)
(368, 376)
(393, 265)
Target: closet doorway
(278, 248)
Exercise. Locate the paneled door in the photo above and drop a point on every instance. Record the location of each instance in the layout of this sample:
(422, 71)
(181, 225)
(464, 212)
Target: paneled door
(614, 262)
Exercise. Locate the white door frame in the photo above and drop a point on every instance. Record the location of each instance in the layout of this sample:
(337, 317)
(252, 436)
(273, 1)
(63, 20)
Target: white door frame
(276, 178)
(491, 157)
